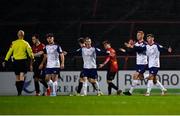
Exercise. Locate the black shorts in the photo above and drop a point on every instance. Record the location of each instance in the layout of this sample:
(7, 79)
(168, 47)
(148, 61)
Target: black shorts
(36, 70)
(90, 73)
(111, 75)
(81, 74)
(20, 66)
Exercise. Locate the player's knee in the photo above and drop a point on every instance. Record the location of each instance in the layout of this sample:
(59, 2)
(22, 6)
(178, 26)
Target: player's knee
(154, 80)
(140, 76)
(47, 78)
(36, 79)
(151, 77)
(92, 81)
(81, 80)
(109, 81)
(135, 76)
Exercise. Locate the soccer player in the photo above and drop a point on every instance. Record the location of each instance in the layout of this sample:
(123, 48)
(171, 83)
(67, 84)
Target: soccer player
(141, 62)
(52, 52)
(111, 60)
(153, 52)
(82, 80)
(20, 49)
(89, 67)
(37, 49)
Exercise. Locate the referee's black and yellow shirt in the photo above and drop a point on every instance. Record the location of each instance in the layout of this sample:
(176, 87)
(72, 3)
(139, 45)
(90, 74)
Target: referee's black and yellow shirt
(20, 49)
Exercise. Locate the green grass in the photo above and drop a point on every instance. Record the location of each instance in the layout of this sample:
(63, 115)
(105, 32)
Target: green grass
(137, 104)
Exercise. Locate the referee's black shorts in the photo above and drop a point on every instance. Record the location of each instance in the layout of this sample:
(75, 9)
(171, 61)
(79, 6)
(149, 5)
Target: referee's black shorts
(20, 66)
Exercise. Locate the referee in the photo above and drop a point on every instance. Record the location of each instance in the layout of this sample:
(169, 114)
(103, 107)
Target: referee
(20, 50)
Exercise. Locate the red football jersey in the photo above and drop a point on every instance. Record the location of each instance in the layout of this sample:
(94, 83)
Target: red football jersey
(38, 48)
(112, 58)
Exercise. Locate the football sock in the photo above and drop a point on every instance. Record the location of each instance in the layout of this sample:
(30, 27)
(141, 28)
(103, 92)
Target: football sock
(109, 89)
(113, 86)
(18, 87)
(80, 87)
(36, 83)
(44, 83)
(149, 85)
(85, 88)
(134, 84)
(159, 84)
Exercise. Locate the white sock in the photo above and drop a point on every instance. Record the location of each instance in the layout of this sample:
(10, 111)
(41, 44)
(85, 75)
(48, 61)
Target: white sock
(149, 86)
(50, 83)
(55, 85)
(134, 84)
(44, 89)
(97, 87)
(159, 84)
(85, 87)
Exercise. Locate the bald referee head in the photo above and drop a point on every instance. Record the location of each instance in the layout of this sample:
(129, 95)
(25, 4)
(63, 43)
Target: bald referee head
(20, 34)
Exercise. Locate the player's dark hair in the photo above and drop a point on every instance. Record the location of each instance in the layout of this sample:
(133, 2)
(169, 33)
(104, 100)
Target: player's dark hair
(140, 32)
(49, 35)
(36, 36)
(81, 40)
(150, 35)
(106, 42)
(87, 38)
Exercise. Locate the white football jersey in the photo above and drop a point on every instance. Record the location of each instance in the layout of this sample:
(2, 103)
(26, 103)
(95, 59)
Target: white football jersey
(153, 53)
(53, 52)
(89, 57)
(141, 57)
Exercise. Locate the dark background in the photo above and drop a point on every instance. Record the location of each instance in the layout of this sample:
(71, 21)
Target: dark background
(115, 20)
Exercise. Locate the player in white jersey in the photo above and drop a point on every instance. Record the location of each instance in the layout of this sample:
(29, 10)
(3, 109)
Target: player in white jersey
(82, 79)
(89, 67)
(153, 52)
(141, 64)
(52, 52)
(141, 61)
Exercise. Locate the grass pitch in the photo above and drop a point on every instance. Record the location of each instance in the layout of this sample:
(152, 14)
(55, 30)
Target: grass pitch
(87, 105)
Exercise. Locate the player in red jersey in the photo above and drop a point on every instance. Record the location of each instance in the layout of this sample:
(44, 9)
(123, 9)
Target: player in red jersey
(111, 59)
(37, 49)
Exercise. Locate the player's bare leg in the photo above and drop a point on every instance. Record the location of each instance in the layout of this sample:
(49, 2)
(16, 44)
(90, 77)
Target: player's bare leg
(95, 82)
(135, 82)
(158, 84)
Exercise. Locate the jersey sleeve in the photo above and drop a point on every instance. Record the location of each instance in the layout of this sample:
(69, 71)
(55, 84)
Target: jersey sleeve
(77, 52)
(101, 52)
(29, 51)
(140, 49)
(161, 48)
(59, 49)
(44, 50)
(9, 53)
